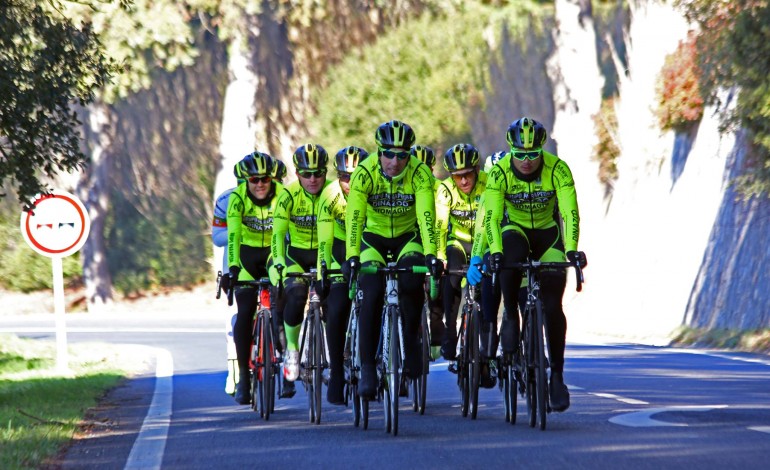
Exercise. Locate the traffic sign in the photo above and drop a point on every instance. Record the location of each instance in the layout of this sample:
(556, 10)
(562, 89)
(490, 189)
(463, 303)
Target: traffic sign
(57, 226)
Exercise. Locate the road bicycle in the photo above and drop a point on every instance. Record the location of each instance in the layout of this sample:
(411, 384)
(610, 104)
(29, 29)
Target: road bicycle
(529, 367)
(313, 358)
(264, 359)
(390, 355)
(469, 358)
(420, 384)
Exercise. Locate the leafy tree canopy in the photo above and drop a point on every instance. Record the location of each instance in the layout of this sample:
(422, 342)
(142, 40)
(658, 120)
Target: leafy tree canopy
(47, 64)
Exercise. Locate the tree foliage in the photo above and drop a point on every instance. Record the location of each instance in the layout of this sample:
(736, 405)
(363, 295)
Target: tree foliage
(47, 64)
(733, 46)
(680, 104)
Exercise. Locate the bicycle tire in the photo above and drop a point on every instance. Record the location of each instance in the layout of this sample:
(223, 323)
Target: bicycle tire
(462, 365)
(267, 364)
(356, 406)
(474, 370)
(540, 374)
(528, 355)
(512, 392)
(255, 375)
(394, 376)
(364, 413)
(422, 382)
(307, 349)
(505, 387)
(318, 364)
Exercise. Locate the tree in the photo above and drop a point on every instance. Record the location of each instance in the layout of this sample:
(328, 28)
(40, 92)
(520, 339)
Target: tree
(47, 64)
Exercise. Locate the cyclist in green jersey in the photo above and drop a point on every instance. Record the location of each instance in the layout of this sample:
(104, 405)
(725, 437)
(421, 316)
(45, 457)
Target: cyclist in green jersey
(524, 186)
(436, 311)
(331, 249)
(279, 170)
(456, 204)
(249, 229)
(295, 214)
(390, 197)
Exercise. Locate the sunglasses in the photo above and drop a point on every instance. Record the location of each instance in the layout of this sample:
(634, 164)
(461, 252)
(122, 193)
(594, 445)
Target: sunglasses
(391, 154)
(312, 173)
(343, 176)
(259, 179)
(524, 155)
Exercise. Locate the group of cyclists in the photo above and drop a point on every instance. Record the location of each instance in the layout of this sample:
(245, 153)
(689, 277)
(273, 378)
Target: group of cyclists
(388, 207)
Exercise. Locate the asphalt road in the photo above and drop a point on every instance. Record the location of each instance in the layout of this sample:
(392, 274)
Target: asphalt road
(633, 406)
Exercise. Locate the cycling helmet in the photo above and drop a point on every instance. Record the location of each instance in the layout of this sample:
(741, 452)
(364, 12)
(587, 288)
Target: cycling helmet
(394, 134)
(492, 160)
(424, 154)
(279, 170)
(347, 159)
(526, 134)
(254, 164)
(461, 157)
(310, 157)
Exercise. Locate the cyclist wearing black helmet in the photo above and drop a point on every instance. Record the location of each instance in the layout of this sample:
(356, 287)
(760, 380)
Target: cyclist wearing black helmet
(389, 196)
(249, 229)
(525, 185)
(279, 170)
(456, 203)
(295, 214)
(331, 249)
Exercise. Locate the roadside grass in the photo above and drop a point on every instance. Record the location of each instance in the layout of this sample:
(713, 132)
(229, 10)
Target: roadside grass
(40, 409)
(757, 341)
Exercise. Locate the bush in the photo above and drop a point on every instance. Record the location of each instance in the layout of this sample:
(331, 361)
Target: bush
(606, 150)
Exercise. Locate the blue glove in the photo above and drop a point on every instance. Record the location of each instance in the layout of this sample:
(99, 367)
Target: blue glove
(474, 275)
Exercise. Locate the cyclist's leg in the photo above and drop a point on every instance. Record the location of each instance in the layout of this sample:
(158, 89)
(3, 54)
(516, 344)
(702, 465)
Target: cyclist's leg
(412, 297)
(338, 310)
(515, 250)
(451, 291)
(369, 321)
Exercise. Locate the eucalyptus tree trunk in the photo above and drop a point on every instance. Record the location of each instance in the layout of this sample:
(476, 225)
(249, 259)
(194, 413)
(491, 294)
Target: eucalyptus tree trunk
(94, 193)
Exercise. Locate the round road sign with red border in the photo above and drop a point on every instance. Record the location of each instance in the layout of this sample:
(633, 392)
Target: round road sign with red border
(57, 226)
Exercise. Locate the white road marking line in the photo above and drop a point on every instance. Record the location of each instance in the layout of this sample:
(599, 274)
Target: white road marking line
(639, 419)
(630, 401)
(760, 428)
(112, 330)
(150, 444)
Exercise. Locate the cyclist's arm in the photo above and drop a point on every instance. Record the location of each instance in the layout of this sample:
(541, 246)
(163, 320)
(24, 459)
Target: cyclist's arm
(325, 227)
(361, 184)
(425, 204)
(493, 214)
(479, 235)
(283, 208)
(568, 207)
(235, 209)
(219, 222)
(443, 203)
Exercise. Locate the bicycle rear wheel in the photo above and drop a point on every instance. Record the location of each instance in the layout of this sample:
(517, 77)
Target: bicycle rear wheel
(474, 370)
(540, 375)
(317, 366)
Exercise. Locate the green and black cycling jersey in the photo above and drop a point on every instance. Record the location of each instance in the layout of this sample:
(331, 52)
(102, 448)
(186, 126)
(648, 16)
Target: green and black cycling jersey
(391, 207)
(249, 221)
(331, 222)
(456, 212)
(528, 201)
(295, 214)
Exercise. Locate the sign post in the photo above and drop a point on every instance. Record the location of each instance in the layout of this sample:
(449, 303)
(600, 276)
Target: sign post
(57, 226)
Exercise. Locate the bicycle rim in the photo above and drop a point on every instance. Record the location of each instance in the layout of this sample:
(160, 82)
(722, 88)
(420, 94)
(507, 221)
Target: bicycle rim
(462, 368)
(422, 382)
(475, 366)
(267, 368)
(318, 364)
(394, 384)
(309, 365)
(257, 392)
(529, 371)
(540, 378)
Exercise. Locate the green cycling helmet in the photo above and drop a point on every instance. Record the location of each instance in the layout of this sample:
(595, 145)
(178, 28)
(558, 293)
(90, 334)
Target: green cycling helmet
(526, 134)
(393, 134)
(254, 164)
(461, 157)
(279, 170)
(347, 159)
(425, 154)
(310, 157)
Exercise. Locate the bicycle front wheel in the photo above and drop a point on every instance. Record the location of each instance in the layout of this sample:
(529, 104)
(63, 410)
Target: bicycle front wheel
(257, 364)
(474, 370)
(463, 363)
(422, 381)
(267, 364)
(317, 366)
(394, 368)
(540, 375)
